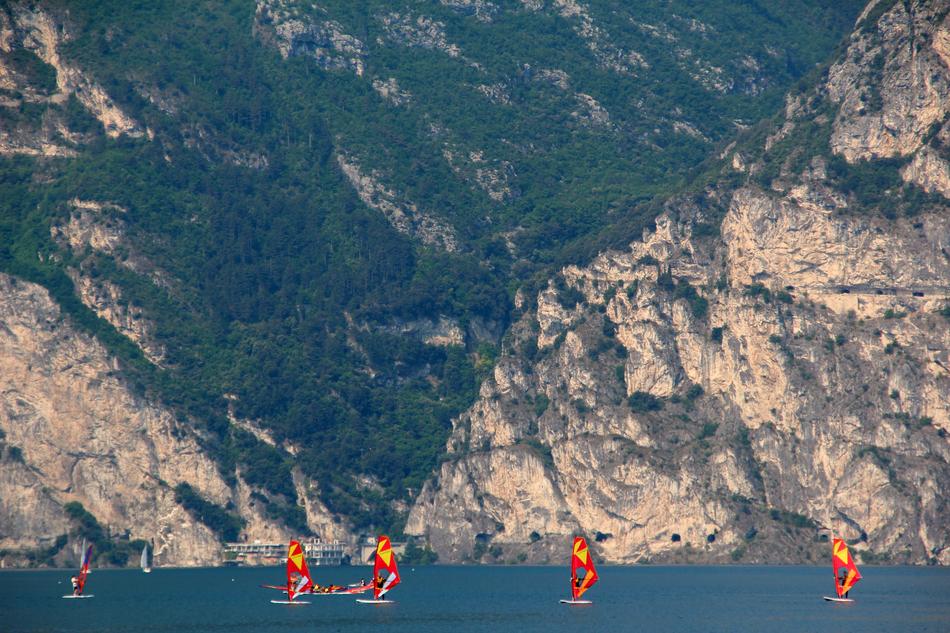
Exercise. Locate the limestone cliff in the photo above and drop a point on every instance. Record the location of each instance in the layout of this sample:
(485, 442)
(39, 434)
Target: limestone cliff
(72, 430)
(734, 394)
(83, 436)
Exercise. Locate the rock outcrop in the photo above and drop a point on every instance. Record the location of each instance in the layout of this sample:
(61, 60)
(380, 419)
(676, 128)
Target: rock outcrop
(84, 436)
(893, 82)
(39, 31)
(773, 404)
(404, 216)
(72, 430)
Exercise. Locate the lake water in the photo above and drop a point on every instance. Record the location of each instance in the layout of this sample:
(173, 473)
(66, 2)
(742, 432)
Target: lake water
(461, 599)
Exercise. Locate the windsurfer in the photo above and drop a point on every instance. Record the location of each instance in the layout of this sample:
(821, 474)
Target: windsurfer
(843, 579)
(380, 581)
(75, 582)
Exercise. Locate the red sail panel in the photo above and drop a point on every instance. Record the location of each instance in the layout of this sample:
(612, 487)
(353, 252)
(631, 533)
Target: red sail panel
(846, 572)
(298, 576)
(84, 568)
(581, 559)
(385, 573)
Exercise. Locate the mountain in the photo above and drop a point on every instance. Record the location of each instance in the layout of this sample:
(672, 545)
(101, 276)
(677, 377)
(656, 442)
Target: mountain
(267, 261)
(770, 362)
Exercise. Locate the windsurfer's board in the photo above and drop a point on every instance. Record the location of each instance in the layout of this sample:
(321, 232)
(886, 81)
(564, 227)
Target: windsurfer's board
(288, 602)
(371, 601)
(575, 602)
(72, 597)
(829, 599)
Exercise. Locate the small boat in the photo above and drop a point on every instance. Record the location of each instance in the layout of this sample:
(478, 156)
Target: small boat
(385, 572)
(581, 560)
(298, 576)
(80, 584)
(845, 571)
(143, 562)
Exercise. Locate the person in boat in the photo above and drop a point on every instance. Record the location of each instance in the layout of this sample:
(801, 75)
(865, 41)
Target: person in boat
(362, 582)
(75, 582)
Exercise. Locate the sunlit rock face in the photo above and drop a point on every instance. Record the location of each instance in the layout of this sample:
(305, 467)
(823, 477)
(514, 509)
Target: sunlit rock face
(785, 401)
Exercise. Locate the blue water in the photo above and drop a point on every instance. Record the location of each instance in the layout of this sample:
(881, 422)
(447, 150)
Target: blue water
(462, 599)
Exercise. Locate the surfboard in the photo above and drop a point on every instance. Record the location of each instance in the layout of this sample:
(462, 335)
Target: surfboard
(374, 601)
(72, 597)
(293, 602)
(838, 599)
(576, 602)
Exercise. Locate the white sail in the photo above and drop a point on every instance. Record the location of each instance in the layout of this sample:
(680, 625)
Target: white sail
(144, 561)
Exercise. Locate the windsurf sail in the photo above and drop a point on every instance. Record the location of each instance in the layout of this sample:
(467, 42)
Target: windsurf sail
(385, 573)
(846, 572)
(83, 571)
(298, 576)
(143, 562)
(581, 560)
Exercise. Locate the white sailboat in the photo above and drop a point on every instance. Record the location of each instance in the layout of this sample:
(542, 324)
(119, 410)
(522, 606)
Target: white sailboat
(144, 561)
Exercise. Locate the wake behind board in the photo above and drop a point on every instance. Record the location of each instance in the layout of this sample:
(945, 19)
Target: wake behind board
(575, 602)
(372, 601)
(295, 602)
(829, 599)
(72, 597)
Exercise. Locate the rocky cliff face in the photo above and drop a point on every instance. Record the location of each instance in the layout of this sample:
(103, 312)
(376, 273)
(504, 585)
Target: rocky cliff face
(73, 431)
(83, 436)
(735, 397)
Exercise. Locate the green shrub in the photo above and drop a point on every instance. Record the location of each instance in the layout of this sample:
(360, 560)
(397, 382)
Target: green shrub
(226, 525)
(758, 290)
(643, 402)
(541, 403)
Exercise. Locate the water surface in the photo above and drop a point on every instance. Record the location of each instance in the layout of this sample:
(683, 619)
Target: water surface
(463, 599)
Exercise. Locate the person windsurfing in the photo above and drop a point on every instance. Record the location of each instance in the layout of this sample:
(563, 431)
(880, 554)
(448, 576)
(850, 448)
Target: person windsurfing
(75, 581)
(842, 580)
(380, 580)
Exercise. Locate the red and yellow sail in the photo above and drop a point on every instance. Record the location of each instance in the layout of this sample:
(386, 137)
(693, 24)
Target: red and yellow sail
(298, 575)
(841, 560)
(385, 573)
(84, 569)
(581, 559)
